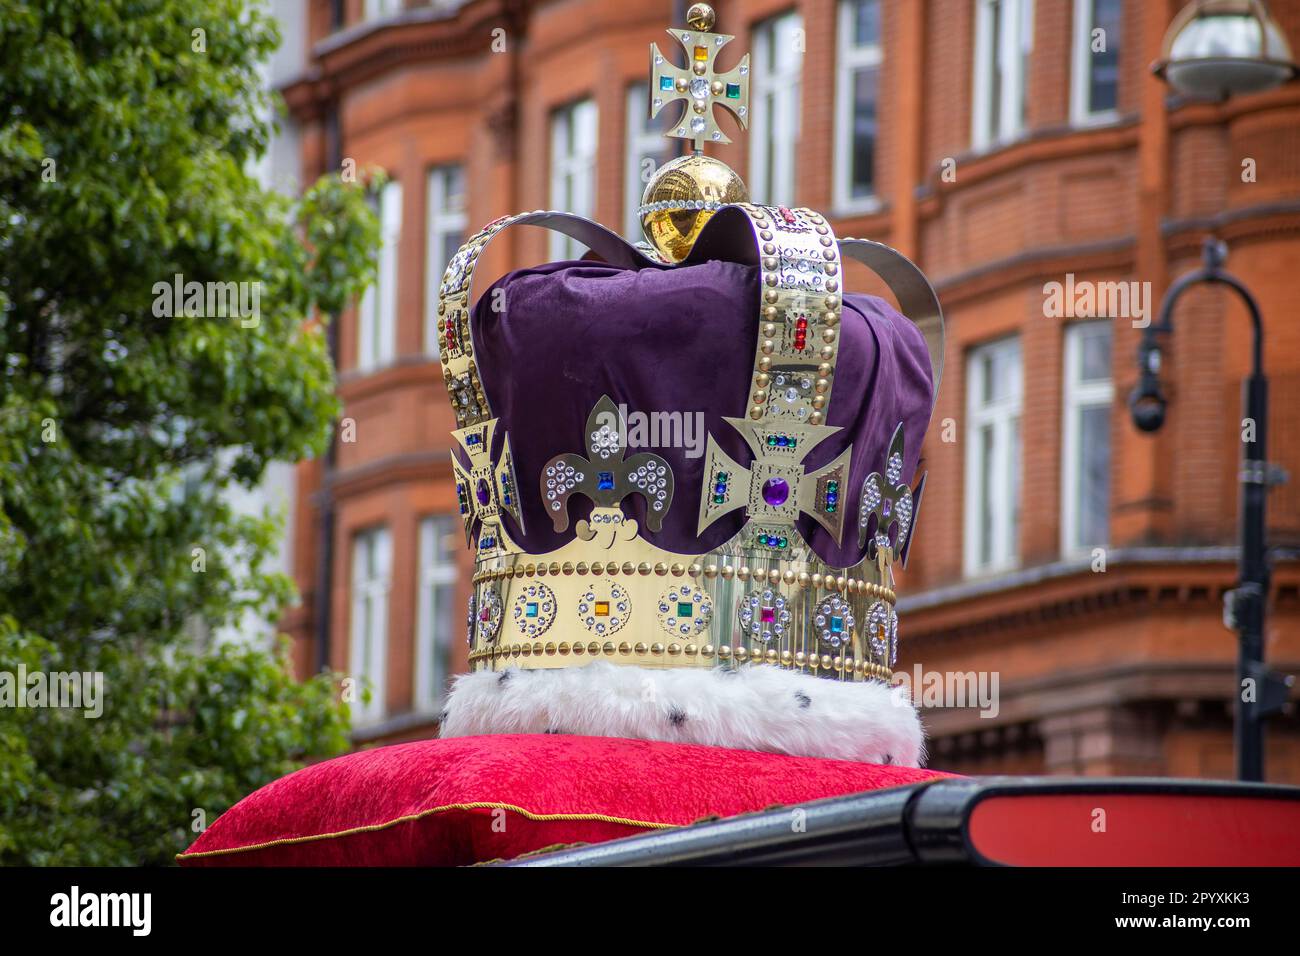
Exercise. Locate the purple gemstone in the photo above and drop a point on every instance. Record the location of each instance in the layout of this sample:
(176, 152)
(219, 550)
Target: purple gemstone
(483, 492)
(776, 491)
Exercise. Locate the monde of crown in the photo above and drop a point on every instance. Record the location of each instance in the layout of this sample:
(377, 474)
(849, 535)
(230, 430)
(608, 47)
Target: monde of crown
(765, 595)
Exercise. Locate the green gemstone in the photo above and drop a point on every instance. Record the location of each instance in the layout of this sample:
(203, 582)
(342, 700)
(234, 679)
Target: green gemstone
(733, 91)
(685, 609)
(718, 499)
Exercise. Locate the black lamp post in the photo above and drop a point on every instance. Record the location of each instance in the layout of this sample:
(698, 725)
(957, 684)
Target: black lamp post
(1222, 48)
(1260, 691)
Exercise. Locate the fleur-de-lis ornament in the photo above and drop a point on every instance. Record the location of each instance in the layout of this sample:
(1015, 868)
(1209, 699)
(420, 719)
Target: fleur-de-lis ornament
(885, 514)
(606, 476)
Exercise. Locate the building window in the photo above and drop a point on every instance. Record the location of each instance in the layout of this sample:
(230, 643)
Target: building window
(436, 613)
(1085, 445)
(857, 98)
(1094, 89)
(993, 395)
(1004, 37)
(372, 561)
(573, 169)
(647, 149)
(774, 93)
(377, 316)
(378, 9)
(446, 233)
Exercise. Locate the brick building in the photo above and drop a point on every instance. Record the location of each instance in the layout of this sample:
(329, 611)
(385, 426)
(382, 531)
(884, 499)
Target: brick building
(998, 144)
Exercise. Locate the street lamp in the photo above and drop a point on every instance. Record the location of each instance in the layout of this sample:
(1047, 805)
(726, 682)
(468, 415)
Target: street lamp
(1223, 47)
(1260, 691)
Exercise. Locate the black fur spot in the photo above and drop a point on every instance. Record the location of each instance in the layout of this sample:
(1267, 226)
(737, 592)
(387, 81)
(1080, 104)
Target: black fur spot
(804, 700)
(554, 730)
(889, 758)
(505, 676)
(676, 716)
(442, 718)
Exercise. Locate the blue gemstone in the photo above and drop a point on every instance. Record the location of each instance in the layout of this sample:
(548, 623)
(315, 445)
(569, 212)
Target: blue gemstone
(605, 481)
(665, 82)
(837, 625)
(531, 609)
(719, 489)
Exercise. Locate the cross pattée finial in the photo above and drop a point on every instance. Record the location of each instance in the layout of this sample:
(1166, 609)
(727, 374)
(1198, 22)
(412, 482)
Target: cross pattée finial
(699, 85)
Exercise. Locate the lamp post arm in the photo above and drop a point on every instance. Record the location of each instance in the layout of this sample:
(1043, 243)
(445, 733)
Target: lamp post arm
(1247, 602)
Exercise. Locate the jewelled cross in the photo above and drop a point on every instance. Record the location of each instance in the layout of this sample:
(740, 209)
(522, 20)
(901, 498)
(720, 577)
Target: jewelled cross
(486, 489)
(699, 85)
(606, 476)
(775, 489)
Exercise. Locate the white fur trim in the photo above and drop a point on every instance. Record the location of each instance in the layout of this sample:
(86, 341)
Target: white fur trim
(754, 707)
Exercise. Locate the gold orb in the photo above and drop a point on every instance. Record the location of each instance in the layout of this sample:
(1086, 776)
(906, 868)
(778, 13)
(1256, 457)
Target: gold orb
(700, 17)
(681, 197)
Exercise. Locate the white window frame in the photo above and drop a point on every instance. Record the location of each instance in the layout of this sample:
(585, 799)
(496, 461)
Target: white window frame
(1081, 112)
(642, 141)
(574, 132)
(1003, 416)
(1077, 397)
(377, 313)
(849, 58)
(432, 574)
(443, 217)
(773, 181)
(372, 562)
(1013, 46)
(379, 9)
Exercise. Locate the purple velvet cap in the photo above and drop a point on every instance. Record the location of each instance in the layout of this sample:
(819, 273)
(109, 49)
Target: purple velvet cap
(680, 340)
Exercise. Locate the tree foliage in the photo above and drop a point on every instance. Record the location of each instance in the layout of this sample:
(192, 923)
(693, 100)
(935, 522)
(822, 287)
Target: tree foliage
(127, 143)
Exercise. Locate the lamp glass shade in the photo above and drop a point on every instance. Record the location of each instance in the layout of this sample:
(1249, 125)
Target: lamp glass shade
(1227, 51)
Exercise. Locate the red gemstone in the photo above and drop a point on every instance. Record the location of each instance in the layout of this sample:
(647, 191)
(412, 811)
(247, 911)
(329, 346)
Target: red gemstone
(786, 214)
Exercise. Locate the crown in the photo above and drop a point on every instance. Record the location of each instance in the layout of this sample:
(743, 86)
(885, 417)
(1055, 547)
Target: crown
(774, 542)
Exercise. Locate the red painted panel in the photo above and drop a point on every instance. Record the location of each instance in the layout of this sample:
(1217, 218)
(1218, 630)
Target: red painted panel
(1101, 829)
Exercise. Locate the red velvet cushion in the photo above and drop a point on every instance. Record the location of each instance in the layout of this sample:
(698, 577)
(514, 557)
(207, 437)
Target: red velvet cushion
(469, 799)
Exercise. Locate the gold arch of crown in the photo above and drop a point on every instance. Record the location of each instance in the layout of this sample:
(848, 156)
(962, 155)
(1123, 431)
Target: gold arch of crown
(764, 595)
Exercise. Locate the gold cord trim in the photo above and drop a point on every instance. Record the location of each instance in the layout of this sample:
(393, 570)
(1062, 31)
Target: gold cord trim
(373, 827)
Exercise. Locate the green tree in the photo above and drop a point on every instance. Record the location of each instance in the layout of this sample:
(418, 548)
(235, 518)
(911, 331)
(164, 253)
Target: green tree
(126, 142)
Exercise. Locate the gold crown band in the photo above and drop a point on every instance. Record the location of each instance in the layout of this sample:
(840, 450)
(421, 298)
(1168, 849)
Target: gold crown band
(831, 582)
(640, 605)
(543, 655)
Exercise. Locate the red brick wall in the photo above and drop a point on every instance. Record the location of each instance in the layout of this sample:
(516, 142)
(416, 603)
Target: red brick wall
(1125, 201)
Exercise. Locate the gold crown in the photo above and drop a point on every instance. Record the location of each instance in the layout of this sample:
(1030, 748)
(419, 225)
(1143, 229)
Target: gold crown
(764, 596)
